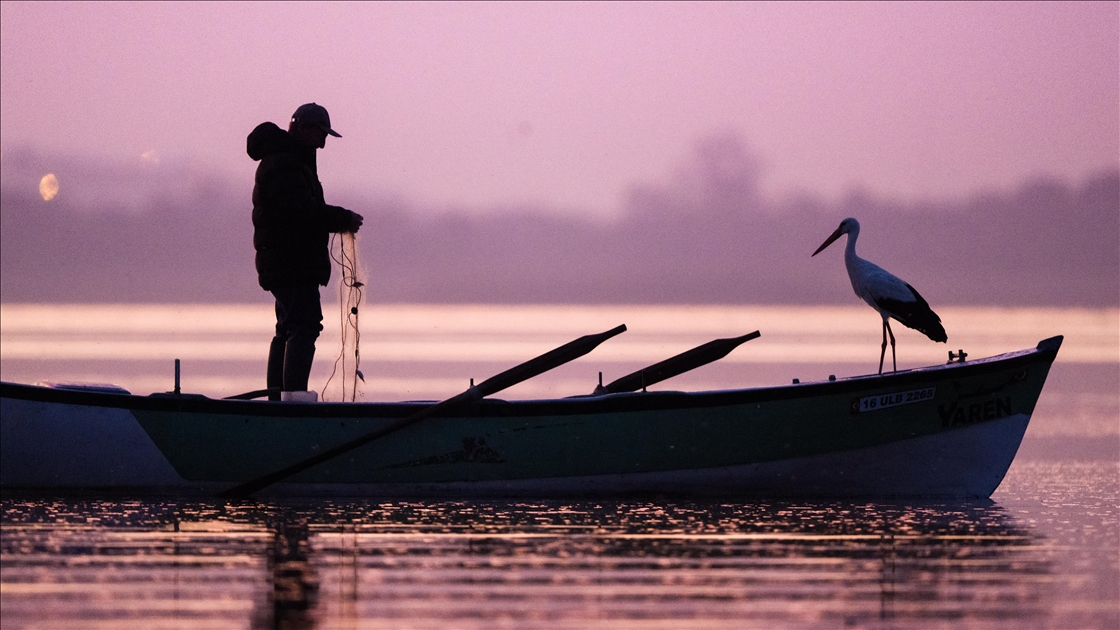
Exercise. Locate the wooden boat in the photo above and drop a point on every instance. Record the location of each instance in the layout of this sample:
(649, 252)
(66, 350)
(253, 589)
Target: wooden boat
(943, 431)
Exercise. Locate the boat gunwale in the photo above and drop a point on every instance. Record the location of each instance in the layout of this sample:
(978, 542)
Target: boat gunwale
(1045, 351)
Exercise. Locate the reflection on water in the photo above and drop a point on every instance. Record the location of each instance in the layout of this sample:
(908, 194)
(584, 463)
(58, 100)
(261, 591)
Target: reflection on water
(432, 351)
(1033, 560)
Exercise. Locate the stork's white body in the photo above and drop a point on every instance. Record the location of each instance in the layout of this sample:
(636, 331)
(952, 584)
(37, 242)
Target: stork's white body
(885, 292)
(871, 282)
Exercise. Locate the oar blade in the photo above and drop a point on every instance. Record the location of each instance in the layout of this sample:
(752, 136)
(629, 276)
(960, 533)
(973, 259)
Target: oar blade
(679, 364)
(545, 362)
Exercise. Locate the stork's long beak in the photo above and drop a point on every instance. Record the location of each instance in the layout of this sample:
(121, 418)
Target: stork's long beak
(835, 235)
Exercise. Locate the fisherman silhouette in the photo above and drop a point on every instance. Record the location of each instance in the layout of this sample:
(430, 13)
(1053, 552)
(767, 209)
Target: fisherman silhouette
(291, 230)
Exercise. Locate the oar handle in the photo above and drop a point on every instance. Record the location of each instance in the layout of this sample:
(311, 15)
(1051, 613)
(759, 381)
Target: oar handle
(256, 393)
(679, 364)
(565, 353)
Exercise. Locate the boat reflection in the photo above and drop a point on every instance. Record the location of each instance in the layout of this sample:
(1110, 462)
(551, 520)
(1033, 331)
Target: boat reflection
(531, 564)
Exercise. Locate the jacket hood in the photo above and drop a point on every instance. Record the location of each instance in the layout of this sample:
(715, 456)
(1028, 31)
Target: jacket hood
(268, 138)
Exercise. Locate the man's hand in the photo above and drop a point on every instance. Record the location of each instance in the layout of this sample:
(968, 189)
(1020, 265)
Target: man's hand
(355, 221)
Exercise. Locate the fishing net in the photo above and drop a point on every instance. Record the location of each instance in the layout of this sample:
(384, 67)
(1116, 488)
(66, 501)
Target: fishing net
(347, 366)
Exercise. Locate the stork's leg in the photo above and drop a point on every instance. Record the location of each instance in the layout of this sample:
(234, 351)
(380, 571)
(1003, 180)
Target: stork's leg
(894, 361)
(883, 353)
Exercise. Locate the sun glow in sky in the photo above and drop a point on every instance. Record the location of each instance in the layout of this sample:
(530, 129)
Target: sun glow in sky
(48, 186)
(567, 106)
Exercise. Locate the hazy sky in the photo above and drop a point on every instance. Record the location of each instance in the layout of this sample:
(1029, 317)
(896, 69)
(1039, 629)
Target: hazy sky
(567, 105)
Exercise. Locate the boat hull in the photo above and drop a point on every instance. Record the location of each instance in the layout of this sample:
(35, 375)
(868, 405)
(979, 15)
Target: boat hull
(943, 431)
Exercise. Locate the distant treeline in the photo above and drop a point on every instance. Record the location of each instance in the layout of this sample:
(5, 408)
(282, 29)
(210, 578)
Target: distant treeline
(708, 238)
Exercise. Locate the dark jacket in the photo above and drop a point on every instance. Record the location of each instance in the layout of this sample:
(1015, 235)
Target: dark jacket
(291, 221)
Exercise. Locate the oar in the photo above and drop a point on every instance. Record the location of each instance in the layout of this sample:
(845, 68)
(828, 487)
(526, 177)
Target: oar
(256, 393)
(554, 358)
(683, 362)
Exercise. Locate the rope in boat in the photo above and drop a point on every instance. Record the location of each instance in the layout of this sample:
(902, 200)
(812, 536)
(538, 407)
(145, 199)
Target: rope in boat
(349, 297)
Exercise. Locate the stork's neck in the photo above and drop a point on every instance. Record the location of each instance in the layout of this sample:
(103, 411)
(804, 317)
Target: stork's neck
(850, 257)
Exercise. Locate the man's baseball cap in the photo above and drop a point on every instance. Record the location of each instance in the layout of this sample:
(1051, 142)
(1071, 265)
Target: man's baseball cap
(313, 114)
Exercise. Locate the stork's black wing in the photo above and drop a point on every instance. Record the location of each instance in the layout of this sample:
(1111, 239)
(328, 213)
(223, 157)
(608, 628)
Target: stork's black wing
(917, 315)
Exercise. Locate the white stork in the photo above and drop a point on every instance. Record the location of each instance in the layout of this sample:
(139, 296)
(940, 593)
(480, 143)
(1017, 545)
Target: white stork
(885, 293)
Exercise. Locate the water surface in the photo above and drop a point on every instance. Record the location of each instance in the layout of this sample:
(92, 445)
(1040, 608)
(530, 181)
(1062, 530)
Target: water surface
(1043, 553)
(431, 351)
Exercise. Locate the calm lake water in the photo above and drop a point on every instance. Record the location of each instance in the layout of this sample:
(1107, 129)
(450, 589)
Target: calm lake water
(1043, 553)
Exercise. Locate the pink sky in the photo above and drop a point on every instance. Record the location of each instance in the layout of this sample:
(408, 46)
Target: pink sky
(567, 106)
